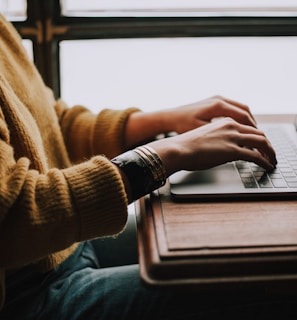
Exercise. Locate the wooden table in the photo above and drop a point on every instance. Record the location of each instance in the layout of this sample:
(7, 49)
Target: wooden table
(221, 244)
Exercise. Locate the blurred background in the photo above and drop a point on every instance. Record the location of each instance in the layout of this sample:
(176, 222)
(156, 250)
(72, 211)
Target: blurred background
(163, 53)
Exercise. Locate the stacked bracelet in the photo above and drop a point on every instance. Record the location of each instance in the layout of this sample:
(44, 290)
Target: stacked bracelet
(144, 170)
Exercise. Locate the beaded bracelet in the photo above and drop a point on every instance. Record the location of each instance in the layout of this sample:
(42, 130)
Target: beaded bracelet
(144, 170)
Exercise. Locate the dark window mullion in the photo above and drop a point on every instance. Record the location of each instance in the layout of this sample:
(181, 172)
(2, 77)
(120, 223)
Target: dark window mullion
(174, 27)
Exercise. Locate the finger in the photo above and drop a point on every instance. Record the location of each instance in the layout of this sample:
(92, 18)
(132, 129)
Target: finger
(239, 105)
(243, 128)
(250, 137)
(259, 142)
(240, 114)
(253, 155)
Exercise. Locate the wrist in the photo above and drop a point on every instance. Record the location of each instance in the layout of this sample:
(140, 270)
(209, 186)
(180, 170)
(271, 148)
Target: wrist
(145, 126)
(142, 170)
(170, 152)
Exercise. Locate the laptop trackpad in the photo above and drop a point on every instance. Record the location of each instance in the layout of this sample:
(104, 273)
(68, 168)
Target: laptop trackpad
(219, 180)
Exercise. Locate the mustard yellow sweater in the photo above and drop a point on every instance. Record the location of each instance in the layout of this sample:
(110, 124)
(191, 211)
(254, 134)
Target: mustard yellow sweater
(57, 186)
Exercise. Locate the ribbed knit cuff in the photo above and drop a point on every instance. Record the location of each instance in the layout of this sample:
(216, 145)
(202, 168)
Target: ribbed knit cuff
(109, 133)
(99, 197)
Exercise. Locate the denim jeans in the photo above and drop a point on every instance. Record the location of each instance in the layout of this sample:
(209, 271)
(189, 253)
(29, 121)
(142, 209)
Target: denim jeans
(80, 289)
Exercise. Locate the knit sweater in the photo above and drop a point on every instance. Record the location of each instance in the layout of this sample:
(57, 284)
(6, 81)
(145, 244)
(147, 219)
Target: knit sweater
(57, 186)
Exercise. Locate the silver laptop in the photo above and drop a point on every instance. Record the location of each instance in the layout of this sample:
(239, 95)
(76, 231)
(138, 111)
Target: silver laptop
(240, 180)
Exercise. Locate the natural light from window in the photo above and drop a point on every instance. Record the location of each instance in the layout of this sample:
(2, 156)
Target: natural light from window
(167, 72)
(29, 47)
(179, 7)
(14, 10)
(158, 73)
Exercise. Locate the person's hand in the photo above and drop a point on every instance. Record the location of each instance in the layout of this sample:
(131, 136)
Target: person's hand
(144, 126)
(213, 144)
(191, 116)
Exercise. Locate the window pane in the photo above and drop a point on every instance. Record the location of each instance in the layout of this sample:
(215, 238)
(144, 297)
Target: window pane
(14, 10)
(29, 47)
(179, 7)
(157, 73)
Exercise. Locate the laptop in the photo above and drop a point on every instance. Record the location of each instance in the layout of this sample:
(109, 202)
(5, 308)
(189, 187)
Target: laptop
(242, 180)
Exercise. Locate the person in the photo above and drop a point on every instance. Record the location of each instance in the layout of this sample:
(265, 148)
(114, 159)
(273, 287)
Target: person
(67, 176)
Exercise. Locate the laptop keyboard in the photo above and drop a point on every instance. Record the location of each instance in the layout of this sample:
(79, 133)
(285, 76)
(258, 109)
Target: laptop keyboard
(285, 174)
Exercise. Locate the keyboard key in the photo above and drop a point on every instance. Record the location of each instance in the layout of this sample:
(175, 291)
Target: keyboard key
(258, 174)
(274, 175)
(258, 169)
(292, 184)
(241, 164)
(245, 172)
(289, 174)
(291, 179)
(284, 176)
(285, 169)
(279, 183)
(264, 182)
(246, 175)
(249, 183)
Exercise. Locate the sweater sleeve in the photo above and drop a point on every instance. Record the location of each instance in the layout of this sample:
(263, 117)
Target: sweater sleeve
(42, 213)
(46, 203)
(86, 134)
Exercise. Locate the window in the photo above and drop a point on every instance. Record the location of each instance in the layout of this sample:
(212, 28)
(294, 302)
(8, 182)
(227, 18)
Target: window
(179, 8)
(14, 10)
(156, 53)
(167, 72)
(29, 47)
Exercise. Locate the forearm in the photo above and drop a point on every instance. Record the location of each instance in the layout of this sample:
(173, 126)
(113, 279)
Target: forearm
(143, 127)
(86, 134)
(74, 204)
